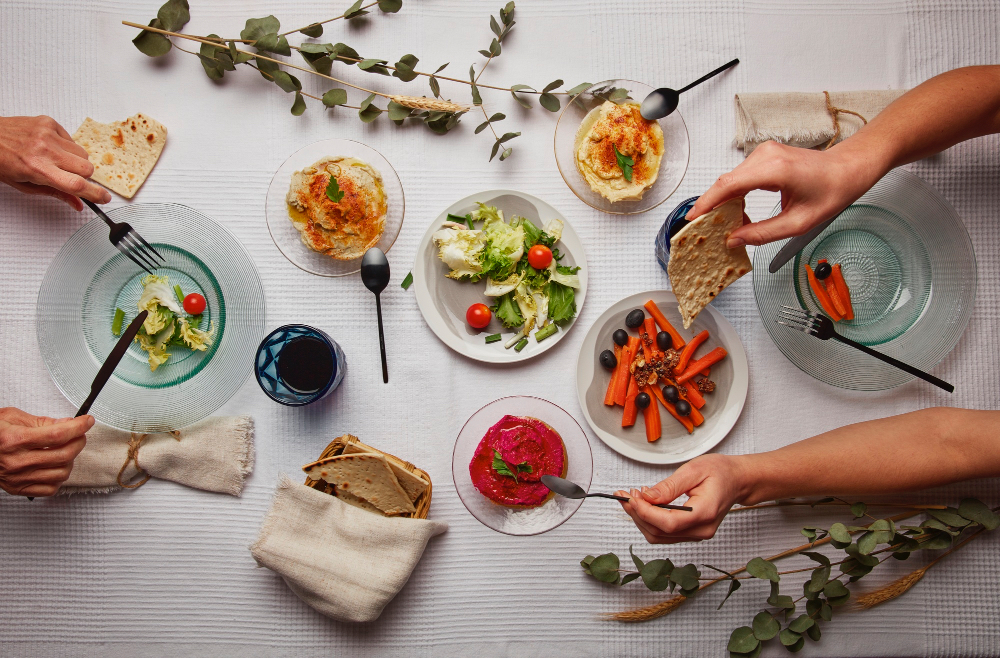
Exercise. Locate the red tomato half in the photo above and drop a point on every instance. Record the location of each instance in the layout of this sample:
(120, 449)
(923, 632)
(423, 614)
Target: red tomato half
(478, 316)
(539, 256)
(194, 304)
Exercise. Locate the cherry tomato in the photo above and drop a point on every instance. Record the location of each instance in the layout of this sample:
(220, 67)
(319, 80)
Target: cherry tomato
(539, 256)
(194, 304)
(478, 316)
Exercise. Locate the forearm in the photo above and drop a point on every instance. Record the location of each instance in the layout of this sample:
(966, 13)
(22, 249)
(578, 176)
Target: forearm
(910, 452)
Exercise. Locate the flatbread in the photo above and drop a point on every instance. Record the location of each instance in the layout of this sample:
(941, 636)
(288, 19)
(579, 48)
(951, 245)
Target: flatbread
(123, 152)
(701, 265)
(412, 484)
(361, 503)
(364, 475)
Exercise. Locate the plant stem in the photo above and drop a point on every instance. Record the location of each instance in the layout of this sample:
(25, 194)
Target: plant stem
(793, 503)
(269, 76)
(329, 20)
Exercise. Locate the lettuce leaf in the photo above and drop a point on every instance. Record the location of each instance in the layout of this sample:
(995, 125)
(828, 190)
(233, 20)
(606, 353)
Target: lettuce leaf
(507, 311)
(504, 248)
(461, 249)
(564, 275)
(562, 303)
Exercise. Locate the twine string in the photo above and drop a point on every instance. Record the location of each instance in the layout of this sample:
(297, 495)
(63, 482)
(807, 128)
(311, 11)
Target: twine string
(834, 113)
(133, 458)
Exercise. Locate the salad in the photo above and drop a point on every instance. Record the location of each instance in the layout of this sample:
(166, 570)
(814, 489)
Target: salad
(174, 320)
(529, 289)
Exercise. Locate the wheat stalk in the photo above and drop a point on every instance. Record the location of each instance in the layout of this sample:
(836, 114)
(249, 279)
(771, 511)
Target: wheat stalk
(432, 104)
(890, 591)
(649, 612)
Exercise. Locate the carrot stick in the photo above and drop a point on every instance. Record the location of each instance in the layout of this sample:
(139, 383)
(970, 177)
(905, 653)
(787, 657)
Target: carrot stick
(696, 416)
(647, 336)
(628, 354)
(843, 291)
(661, 320)
(710, 359)
(651, 416)
(672, 410)
(706, 372)
(820, 291)
(631, 411)
(689, 349)
(694, 396)
(609, 397)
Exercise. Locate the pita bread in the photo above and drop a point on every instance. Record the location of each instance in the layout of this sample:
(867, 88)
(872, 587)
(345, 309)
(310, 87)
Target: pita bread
(124, 152)
(701, 265)
(366, 476)
(412, 485)
(361, 503)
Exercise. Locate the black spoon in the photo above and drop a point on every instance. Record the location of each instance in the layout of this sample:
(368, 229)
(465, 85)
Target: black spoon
(661, 102)
(568, 489)
(375, 276)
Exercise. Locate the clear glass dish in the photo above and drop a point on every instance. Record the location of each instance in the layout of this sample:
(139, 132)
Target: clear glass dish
(286, 236)
(529, 521)
(911, 271)
(676, 147)
(89, 278)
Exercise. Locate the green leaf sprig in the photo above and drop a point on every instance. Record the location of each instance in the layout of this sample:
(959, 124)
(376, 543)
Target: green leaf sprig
(624, 162)
(333, 191)
(503, 468)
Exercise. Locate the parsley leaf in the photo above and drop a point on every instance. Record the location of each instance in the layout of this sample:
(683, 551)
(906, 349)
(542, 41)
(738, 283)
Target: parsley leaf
(502, 468)
(625, 163)
(333, 191)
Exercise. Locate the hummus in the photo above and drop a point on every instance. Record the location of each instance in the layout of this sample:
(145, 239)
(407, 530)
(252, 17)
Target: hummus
(345, 229)
(528, 448)
(612, 126)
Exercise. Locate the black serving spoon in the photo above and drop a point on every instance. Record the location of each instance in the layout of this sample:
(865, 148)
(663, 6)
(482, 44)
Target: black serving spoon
(661, 102)
(568, 489)
(375, 276)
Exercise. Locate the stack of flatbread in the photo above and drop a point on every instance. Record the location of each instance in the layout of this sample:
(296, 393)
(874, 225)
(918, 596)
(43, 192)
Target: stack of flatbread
(123, 152)
(701, 265)
(364, 478)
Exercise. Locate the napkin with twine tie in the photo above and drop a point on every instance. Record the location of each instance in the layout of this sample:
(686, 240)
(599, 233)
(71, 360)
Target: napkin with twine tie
(806, 120)
(345, 562)
(214, 455)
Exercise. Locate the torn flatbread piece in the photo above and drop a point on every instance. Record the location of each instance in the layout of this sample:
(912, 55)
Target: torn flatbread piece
(366, 476)
(123, 152)
(701, 265)
(412, 484)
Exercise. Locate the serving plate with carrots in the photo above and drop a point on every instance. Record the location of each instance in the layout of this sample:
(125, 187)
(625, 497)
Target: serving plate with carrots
(668, 394)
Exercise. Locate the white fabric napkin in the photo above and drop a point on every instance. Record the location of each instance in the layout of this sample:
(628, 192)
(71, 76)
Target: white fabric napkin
(345, 562)
(214, 455)
(802, 119)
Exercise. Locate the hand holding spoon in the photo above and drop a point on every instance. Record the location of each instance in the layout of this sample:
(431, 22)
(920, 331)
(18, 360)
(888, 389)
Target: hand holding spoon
(661, 102)
(568, 489)
(375, 276)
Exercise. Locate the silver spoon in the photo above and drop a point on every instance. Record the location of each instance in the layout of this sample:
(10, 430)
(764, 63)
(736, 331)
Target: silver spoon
(375, 276)
(661, 102)
(568, 489)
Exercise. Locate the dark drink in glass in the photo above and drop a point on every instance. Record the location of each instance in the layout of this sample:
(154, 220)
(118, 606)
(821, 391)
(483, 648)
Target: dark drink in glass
(298, 364)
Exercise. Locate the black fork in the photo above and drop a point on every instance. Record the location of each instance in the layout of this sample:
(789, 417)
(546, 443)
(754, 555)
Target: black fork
(130, 243)
(822, 327)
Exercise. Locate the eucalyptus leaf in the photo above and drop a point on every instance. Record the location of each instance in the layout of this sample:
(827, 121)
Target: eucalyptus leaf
(368, 111)
(656, 574)
(555, 84)
(765, 626)
(800, 624)
(858, 509)
(355, 10)
(435, 87)
(299, 106)
(398, 112)
(742, 640)
(733, 586)
(585, 563)
(813, 606)
(480, 128)
(627, 578)
(523, 102)
(266, 67)
(442, 67)
(809, 533)
(950, 516)
(506, 137)
(314, 30)
(320, 62)
(814, 633)
(152, 44)
(287, 82)
(344, 53)
(839, 533)
(761, 568)
(579, 88)
(494, 48)
(476, 98)
(818, 557)
(938, 541)
(485, 53)
(390, 6)
(549, 102)
(257, 27)
(498, 116)
(826, 612)
(808, 593)
(867, 543)
(686, 577)
(212, 68)
(789, 637)
(173, 15)
(274, 44)
(819, 577)
(374, 66)
(238, 56)
(494, 26)
(605, 568)
(405, 68)
(975, 510)
(635, 558)
(834, 589)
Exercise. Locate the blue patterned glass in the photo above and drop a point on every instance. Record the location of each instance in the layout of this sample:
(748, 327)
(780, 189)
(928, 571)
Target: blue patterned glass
(267, 365)
(674, 222)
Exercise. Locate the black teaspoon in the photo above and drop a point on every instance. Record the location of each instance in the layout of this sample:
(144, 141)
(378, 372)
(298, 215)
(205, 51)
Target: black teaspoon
(375, 276)
(568, 489)
(661, 102)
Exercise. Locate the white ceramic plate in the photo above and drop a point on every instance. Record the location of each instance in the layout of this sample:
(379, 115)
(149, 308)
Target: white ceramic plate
(443, 301)
(722, 408)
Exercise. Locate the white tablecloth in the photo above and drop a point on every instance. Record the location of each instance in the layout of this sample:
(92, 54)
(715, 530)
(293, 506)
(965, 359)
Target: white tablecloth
(165, 570)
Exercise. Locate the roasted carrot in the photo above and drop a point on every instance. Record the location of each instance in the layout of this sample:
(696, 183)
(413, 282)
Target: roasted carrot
(683, 420)
(621, 386)
(706, 372)
(631, 411)
(819, 290)
(661, 320)
(651, 416)
(710, 359)
(694, 395)
(609, 397)
(696, 416)
(647, 336)
(689, 349)
(843, 291)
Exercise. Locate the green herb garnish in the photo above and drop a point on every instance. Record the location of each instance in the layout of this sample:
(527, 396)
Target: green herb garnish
(333, 191)
(493, 338)
(521, 344)
(180, 295)
(502, 468)
(625, 163)
(545, 332)
(407, 281)
(116, 324)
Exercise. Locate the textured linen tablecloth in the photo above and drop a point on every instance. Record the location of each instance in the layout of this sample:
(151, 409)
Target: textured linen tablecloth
(165, 570)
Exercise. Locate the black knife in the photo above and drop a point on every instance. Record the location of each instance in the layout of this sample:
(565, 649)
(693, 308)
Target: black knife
(797, 244)
(104, 374)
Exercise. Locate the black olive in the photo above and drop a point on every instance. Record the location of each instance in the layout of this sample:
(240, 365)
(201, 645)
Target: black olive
(823, 270)
(642, 400)
(608, 359)
(682, 407)
(635, 318)
(670, 394)
(620, 337)
(663, 341)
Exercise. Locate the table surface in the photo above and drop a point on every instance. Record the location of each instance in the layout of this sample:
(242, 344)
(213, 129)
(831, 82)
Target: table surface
(165, 570)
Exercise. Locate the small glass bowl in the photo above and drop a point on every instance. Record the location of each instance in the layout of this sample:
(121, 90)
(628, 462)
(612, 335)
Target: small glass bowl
(674, 222)
(266, 365)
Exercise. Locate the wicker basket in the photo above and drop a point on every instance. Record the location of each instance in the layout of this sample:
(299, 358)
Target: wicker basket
(336, 447)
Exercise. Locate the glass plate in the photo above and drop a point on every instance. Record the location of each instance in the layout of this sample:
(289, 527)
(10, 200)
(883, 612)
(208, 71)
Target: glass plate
(909, 264)
(286, 236)
(535, 520)
(673, 166)
(89, 278)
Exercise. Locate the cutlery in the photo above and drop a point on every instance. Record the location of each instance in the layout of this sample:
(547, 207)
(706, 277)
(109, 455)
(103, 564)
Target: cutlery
(375, 276)
(130, 243)
(797, 244)
(822, 327)
(568, 489)
(661, 102)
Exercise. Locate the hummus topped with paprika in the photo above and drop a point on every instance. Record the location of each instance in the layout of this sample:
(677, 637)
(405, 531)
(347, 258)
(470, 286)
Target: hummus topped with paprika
(618, 152)
(512, 458)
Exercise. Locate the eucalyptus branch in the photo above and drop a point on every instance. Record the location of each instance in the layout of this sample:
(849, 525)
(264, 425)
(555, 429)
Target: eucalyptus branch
(329, 20)
(831, 502)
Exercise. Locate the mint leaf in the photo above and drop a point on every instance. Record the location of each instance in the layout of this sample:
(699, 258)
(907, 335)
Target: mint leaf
(524, 467)
(501, 467)
(625, 163)
(333, 191)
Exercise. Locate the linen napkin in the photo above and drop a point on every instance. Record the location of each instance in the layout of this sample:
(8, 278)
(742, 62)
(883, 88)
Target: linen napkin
(803, 119)
(343, 561)
(214, 455)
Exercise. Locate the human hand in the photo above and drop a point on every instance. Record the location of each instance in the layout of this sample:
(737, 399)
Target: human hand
(814, 186)
(37, 453)
(38, 156)
(714, 483)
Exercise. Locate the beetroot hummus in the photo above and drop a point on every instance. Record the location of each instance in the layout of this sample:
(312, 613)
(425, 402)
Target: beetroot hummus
(513, 456)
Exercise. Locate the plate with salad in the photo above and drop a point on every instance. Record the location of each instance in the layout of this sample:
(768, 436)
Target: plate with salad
(500, 276)
(654, 391)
